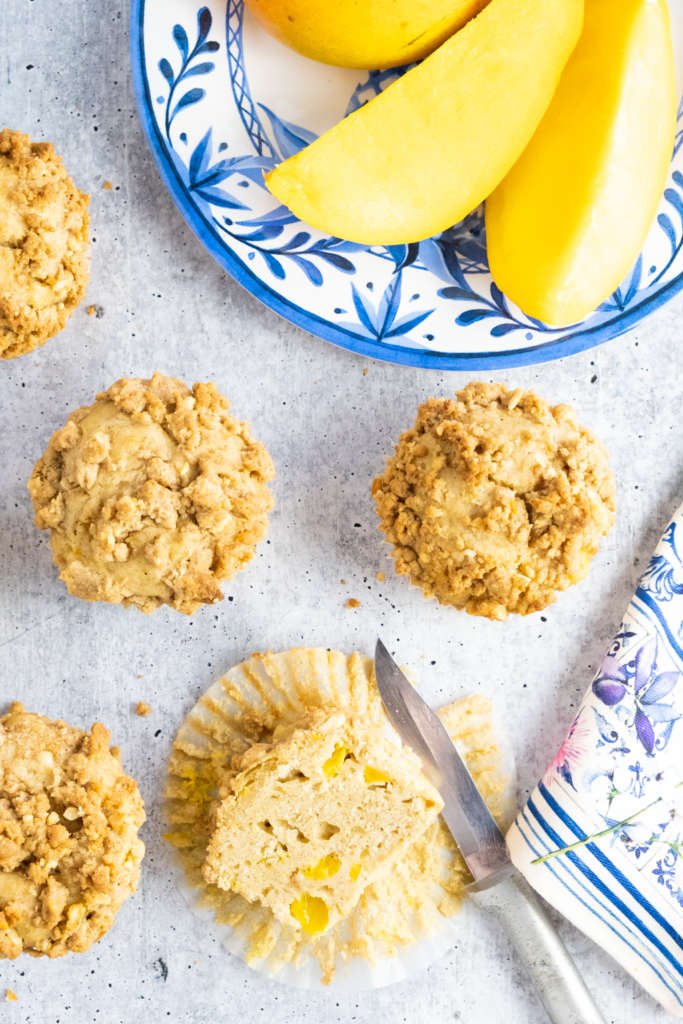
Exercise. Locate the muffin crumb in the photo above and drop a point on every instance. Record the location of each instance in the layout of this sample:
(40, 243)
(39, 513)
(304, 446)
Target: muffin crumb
(10, 996)
(142, 709)
(353, 602)
(294, 832)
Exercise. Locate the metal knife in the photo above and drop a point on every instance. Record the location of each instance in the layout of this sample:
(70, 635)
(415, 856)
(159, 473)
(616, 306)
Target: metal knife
(497, 886)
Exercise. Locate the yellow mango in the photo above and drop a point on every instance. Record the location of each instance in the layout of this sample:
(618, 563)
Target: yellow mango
(374, 775)
(364, 33)
(334, 761)
(311, 912)
(327, 867)
(567, 223)
(425, 152)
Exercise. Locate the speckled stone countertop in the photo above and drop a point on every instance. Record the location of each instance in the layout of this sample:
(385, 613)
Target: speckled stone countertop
(328, 418)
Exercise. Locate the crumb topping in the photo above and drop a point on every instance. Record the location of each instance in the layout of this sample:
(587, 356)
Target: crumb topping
(153, 495)
(69, 849)
(495, 500)
(44, 244)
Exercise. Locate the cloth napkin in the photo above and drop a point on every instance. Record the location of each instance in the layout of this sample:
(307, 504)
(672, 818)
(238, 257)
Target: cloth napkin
(601, 837)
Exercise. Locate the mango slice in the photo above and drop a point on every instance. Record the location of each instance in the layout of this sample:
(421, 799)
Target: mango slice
(567, 223)
(364, 33)
(425, 152)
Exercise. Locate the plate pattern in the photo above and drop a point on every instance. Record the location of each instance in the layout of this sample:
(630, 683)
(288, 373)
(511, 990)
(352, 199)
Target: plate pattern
(602, 835)
(203, 78)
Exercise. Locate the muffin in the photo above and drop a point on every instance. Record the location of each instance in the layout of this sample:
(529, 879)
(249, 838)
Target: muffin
(314, 817)
(69, 848)
(44, 244)
(152, 495)
(495, 501)
(294, 749)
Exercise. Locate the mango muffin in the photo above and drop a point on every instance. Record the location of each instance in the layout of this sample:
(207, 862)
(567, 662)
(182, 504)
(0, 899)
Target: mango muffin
(69, 848)
(314, 817)
(153, 495)
(44, 244)
(287, 781)
(494, 500)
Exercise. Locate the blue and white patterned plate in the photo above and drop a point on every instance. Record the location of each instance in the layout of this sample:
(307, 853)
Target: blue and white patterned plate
(221, 101)
(601, 837)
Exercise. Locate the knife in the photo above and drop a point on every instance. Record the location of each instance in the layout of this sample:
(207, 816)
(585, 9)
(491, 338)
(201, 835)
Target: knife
(497, 886)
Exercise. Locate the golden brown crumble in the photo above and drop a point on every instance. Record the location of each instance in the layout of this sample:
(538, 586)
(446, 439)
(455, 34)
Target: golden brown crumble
(153, 495)
(44, 244)
(495, 500)
(69, 848)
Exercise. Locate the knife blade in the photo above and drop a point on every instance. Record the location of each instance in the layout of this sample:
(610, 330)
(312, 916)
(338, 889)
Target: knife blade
(469, 820)
(498, 887)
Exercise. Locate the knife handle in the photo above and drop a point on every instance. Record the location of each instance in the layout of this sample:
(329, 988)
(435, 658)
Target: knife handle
(560, 986)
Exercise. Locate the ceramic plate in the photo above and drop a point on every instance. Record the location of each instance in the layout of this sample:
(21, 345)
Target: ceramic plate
(221, 102)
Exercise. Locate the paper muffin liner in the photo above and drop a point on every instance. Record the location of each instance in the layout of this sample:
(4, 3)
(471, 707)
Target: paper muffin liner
(404, 920)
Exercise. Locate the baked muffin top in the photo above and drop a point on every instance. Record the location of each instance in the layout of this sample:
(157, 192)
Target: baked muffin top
(44, 244)
(495, 500)
(69, 848)
(316, 816)
(153, 495)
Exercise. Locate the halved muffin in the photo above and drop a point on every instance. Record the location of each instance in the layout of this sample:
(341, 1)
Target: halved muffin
(315, 816)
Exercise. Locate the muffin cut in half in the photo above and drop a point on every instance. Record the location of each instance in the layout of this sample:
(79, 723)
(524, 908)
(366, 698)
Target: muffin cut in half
(315, 817)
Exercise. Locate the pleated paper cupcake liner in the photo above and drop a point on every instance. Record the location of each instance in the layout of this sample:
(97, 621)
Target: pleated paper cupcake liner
(404, 920)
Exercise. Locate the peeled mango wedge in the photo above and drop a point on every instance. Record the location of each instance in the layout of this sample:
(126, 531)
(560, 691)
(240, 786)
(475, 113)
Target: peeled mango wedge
(364, 33)
(567, 223)
(425, 152)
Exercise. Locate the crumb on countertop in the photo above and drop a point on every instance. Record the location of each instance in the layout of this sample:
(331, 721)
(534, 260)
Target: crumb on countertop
(10, 996)
(353, 602)
(107, 186)
(91, 310)
(365, 371)
(142, 708)
(380, 577)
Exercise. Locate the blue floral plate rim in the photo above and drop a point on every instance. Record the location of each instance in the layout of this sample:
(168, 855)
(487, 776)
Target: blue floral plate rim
(581, 338)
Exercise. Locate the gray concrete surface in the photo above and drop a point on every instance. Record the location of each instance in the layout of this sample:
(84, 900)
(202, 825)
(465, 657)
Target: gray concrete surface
(328, 418)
